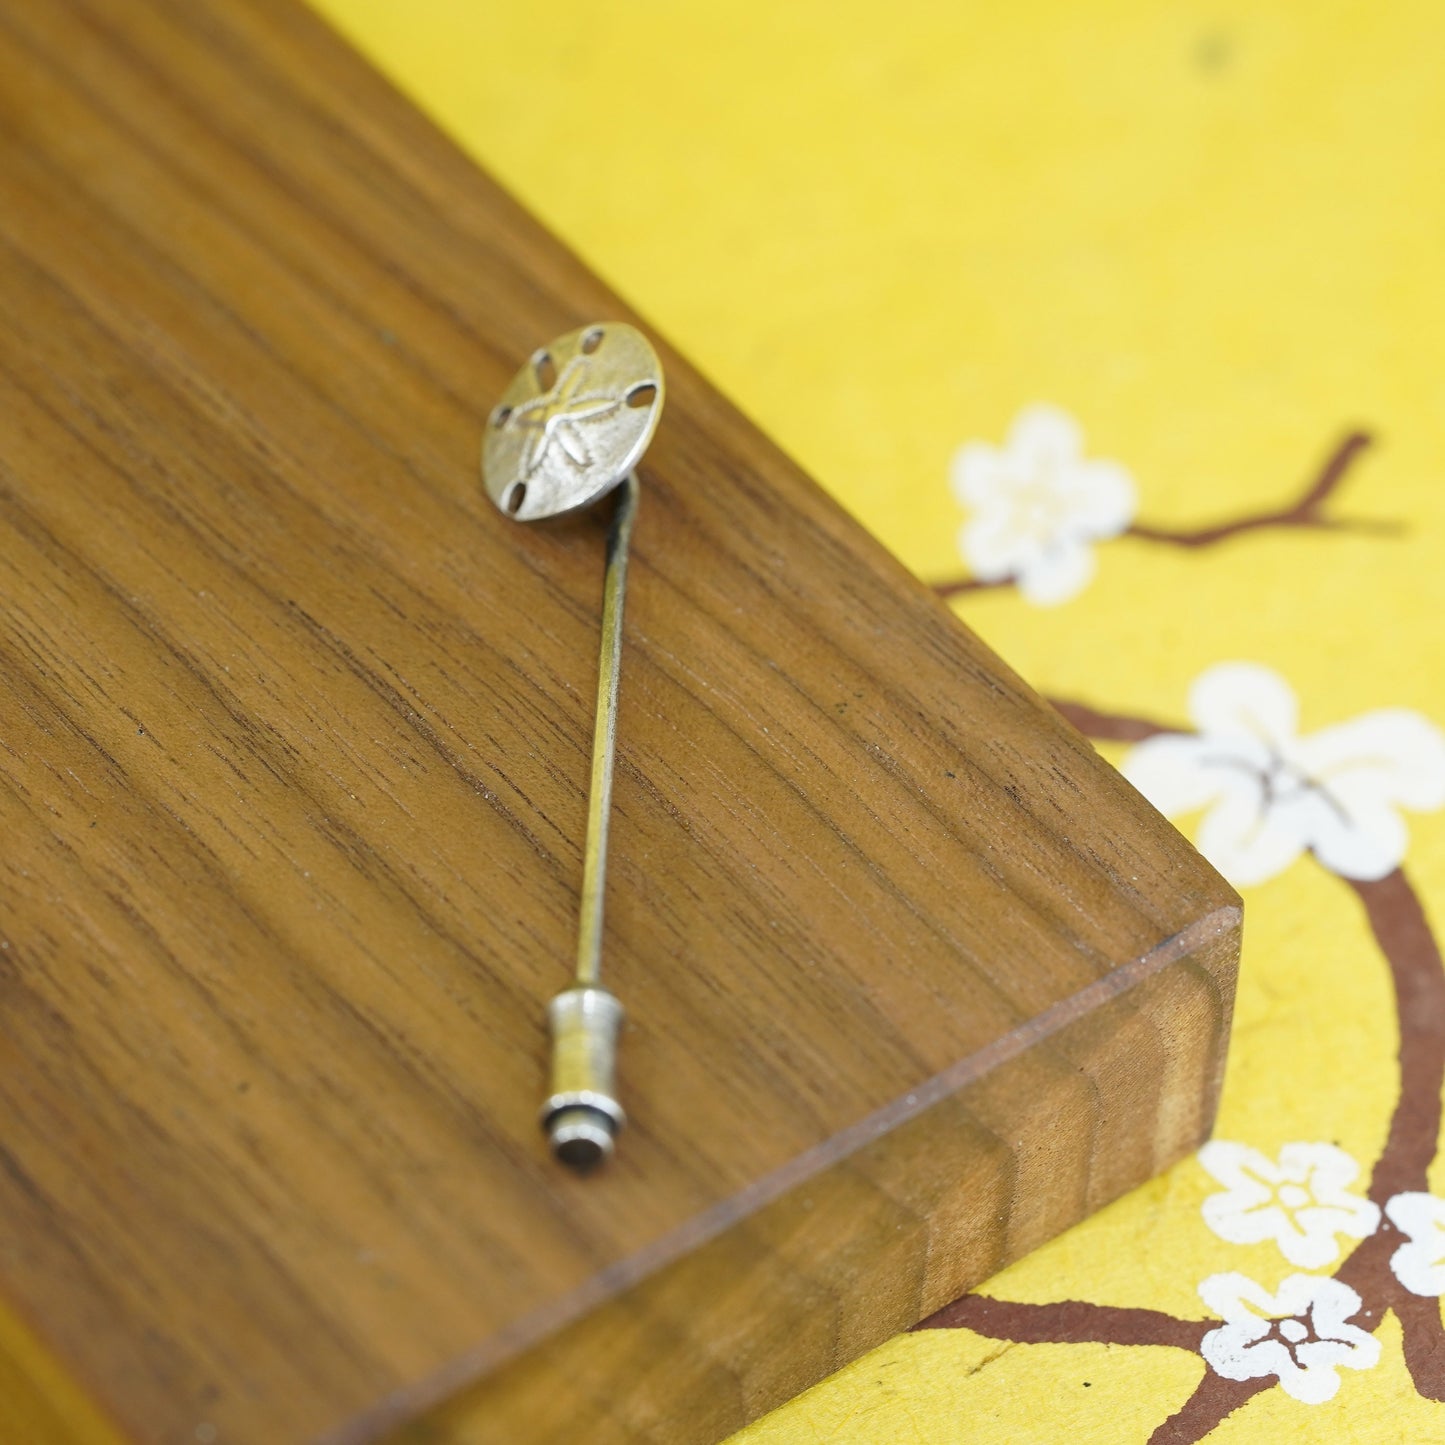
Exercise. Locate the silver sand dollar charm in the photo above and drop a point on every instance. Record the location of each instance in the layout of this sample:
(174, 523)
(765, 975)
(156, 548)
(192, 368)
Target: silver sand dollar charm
(570, 429)
(575, 420)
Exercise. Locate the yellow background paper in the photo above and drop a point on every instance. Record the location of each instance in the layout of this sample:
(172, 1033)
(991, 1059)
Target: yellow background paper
(1213, 234)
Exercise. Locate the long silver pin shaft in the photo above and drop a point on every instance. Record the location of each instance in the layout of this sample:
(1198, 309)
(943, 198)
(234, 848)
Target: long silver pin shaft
(582, 1115)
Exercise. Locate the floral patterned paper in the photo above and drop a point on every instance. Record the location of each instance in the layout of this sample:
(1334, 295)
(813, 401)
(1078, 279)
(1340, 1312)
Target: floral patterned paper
(1267, 796)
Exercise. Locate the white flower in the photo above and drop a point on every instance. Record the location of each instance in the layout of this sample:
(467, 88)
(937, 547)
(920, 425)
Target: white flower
(1301, 1202)
(1272, 794)
(1420, 1264)
(1036, 505)
(1299, 1334)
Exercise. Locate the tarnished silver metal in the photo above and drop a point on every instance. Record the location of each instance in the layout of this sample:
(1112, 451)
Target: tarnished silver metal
(575, 420)
(569, 430)
(582, 1115)
(604, 733)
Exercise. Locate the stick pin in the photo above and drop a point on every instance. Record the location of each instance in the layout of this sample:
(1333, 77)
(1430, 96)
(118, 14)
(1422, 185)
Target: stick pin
(571, 428)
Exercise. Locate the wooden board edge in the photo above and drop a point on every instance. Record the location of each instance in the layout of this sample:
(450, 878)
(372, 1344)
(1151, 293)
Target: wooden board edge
(760, 1273)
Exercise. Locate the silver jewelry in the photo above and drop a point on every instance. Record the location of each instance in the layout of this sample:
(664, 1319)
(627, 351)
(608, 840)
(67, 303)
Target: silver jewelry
(570, 429)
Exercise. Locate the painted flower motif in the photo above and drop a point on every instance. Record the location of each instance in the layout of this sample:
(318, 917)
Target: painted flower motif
(1419, 1265)
(1272, 795)
(1301, 1202)
(1302, 1333)
(1036, 506)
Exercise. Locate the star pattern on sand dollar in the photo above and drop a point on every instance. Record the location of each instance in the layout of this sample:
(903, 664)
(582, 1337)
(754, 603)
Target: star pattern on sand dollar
(556, 418)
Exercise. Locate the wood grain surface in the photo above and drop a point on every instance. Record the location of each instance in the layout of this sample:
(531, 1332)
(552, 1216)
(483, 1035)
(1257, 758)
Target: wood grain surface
(293, 752)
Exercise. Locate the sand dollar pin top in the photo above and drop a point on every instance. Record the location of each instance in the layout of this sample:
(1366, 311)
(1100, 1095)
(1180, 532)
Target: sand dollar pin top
(573, 423)
(569, 429)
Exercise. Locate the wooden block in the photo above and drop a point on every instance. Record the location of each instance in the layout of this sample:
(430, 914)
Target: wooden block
(294, 755)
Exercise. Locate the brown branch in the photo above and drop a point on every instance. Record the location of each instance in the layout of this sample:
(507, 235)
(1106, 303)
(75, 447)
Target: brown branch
(1214, 1400)
(1403, 932)
(1069, 1322)
(1417, 972)
(1110, 727)
(1423, 1342)
(961, 585)
(1308, 511)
